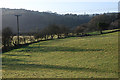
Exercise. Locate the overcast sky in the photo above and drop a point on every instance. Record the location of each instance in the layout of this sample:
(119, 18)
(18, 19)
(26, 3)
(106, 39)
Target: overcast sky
(64, 6)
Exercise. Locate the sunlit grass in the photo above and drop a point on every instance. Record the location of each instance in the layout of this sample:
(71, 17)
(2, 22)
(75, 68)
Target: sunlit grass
(74, 57)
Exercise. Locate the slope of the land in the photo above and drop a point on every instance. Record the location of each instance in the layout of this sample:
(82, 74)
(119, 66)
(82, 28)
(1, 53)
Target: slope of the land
(34, 20)
(75, 57)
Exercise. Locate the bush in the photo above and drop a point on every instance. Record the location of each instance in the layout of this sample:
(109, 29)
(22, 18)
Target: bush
(7, 37)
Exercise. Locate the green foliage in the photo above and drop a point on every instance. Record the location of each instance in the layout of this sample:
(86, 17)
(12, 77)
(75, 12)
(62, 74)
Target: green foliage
(103, 26)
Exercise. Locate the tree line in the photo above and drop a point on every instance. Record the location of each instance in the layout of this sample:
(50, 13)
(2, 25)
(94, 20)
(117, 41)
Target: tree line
(97, 23)
(9, 39)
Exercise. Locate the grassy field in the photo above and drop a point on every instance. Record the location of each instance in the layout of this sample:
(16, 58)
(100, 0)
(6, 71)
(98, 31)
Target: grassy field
(75, 57)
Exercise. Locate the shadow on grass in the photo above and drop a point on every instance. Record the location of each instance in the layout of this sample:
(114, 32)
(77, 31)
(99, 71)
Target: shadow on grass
(15, 64)
(18, 66)
(10, 60)
(16, 55)
(52, 49)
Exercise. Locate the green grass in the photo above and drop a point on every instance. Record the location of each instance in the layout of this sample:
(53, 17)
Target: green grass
(104, 31)
(75, 57)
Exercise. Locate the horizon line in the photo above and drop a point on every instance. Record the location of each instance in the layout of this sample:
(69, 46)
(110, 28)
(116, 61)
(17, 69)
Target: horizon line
(84, 13)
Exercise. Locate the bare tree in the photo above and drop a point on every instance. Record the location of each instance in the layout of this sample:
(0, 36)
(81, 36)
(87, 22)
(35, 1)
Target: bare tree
(103, 26)
(7, 37)
(79, 29)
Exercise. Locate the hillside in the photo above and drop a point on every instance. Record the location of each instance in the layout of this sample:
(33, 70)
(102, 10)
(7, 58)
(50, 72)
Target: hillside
(34, 20)
(75, 57)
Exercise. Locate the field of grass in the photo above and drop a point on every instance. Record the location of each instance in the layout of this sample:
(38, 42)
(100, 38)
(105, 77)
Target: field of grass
(75, 57)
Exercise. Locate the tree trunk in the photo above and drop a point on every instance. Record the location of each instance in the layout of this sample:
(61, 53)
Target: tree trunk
(101, 32)
(58, 36)
(51, 36)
